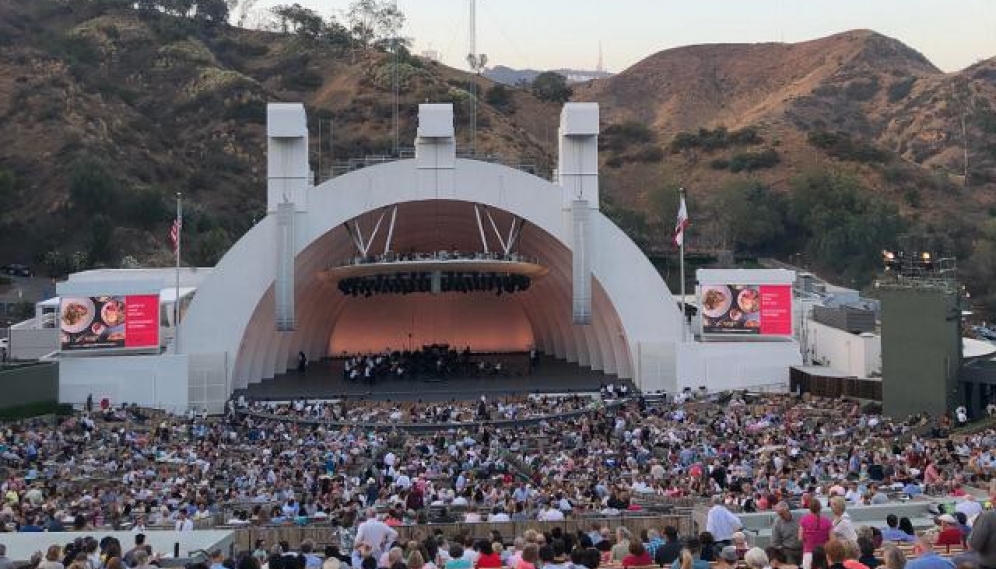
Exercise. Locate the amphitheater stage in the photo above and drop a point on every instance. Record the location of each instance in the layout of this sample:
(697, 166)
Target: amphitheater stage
(323, 380)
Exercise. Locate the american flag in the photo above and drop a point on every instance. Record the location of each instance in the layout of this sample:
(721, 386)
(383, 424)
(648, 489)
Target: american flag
(174, 234)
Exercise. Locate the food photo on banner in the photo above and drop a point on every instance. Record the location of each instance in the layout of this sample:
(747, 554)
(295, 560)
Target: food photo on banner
(746, 309)
(109, 322)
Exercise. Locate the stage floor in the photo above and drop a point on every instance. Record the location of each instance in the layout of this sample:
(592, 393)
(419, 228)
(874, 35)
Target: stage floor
(323, 380)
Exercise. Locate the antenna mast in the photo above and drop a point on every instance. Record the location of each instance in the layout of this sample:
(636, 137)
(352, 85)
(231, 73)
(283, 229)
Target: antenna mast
(476, 61)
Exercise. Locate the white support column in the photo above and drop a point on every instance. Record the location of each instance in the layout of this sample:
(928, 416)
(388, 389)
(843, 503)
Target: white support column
(435, 151)
(288, 173)
(577, 174)
(577, 162)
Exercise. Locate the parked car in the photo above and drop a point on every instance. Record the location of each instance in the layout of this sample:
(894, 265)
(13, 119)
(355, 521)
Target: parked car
(16, 270)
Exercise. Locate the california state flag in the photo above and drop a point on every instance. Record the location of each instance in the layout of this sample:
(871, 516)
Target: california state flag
(681, 224)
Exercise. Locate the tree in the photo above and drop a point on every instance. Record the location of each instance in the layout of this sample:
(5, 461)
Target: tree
(500, 97)
(372, 20)
(552, 87)
(91, 188)
(9, 191)
(752, 216)
(301, 20)
(212, 12)
(844, 226)
(100, 239)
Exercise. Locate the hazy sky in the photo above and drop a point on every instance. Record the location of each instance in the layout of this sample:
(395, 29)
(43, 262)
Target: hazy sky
(547, 34)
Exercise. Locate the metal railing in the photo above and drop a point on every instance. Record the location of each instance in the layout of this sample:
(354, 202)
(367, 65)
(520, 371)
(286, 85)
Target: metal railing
(338, 168)
(435, 256)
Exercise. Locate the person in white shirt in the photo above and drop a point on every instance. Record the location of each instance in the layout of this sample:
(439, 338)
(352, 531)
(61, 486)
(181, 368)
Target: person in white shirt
(375, 534)
(498, 515)
(184, 523)
(551, 514)
(721, 523)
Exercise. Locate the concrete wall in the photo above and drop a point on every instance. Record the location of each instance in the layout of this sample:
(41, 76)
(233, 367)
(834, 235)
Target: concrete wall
(853, 354)
(153, 381)
(34, 383)
(736, 365)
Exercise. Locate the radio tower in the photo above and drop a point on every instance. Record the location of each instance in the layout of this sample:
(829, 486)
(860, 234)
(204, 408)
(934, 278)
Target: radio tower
(476, 61)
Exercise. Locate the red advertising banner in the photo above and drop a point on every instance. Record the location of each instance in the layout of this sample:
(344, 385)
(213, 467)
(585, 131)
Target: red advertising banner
(776, 310)
(142, 321)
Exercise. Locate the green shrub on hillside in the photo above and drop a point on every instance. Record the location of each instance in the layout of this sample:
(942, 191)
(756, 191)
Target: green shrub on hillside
(618, 137)
(862, 89)
(750, 161)
(900, 89)
(718, 139)
(843, 146)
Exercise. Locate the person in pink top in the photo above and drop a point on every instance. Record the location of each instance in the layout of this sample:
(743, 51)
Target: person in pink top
(814, 530)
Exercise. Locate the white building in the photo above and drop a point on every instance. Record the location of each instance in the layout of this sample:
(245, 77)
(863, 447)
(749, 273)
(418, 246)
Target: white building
(599, 302)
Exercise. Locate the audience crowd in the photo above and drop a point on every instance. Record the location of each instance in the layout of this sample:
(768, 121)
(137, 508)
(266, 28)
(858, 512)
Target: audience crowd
(264, 465)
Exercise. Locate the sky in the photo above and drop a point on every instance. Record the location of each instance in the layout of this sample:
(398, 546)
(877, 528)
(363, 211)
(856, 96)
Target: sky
(548, 34)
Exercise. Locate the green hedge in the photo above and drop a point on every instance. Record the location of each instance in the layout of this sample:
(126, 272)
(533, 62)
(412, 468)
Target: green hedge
(39, 409)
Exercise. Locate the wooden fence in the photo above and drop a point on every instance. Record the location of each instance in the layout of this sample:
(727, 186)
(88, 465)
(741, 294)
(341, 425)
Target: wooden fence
(830, 386)
(324, 534)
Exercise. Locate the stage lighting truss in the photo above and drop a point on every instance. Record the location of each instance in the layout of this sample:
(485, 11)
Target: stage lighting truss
(436, 273)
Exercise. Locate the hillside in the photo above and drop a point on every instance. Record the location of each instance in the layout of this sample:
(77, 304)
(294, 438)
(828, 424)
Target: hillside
(857, 100)
(825, 150)
(106, 112)
(739, 125)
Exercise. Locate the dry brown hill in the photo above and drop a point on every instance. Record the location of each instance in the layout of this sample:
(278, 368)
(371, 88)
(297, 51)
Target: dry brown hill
(857, 101)
(106, 112)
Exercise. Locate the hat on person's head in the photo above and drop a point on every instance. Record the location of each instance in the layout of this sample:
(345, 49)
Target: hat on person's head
(729, 553)
(947, 519)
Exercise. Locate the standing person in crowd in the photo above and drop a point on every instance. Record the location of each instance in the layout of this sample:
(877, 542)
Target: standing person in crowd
(785, 534)
(814, 530)
(721, 522)
(374, 534)
(843, 527)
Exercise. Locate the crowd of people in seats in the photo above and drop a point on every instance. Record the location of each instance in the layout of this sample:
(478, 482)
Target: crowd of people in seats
(520, 407)
(746, 453)
(431, 361)
(376, 544)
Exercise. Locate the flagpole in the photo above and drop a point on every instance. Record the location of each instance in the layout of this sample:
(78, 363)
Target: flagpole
(681, 249)
(176, 299)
